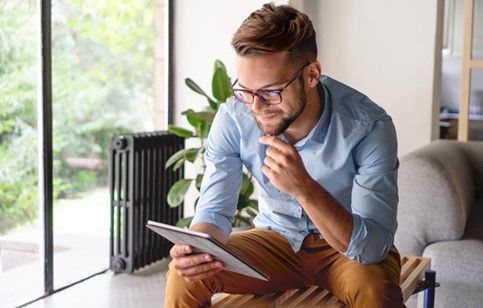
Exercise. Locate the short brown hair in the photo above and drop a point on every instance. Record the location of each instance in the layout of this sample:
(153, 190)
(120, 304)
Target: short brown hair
(275, 29)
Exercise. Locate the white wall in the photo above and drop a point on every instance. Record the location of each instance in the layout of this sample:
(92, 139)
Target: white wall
(389, 51)
(386, 49)
(202, 33)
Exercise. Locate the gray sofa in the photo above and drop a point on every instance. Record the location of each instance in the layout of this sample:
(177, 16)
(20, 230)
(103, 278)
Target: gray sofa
(440, 216)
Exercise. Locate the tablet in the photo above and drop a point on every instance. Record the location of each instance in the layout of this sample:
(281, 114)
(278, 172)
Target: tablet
(204, 243)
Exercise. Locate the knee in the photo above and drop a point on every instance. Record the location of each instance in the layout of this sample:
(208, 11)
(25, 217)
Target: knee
(182, 293)
(375, 293)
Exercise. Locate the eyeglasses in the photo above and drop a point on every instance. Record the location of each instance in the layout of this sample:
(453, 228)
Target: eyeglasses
(269, 97)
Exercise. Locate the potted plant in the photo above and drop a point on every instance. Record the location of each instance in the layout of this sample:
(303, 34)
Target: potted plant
(201, 123)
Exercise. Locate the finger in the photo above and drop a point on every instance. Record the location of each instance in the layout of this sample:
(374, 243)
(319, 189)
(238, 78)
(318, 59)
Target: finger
(200, 268)
(272, 152)
(267, 171)
(191, 261)
(270, 162)
(273, 141)
(204, 275)
(180, 250)
(279, 149)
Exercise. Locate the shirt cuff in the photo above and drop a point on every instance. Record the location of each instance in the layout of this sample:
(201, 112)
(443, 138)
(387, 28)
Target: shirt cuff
(369, 243)
(218, 220)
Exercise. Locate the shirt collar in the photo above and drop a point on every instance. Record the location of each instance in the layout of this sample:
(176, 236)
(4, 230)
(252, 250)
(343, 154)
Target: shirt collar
(319, 131)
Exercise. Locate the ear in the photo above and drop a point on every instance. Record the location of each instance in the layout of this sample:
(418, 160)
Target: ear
(314, 72)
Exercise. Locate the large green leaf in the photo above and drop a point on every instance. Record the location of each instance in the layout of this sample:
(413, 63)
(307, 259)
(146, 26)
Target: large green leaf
(177, 192)
(184, 222)
(221, 84)
(199, 179)
(192, 120)
(179, 164)
(241, 220)
(182, 155)
(203, 129)
(174, 158)
(254, 204)
(243, 202)
(203, 116)
(179, 131)
(219, 64)
(193, 86)
(246, 188)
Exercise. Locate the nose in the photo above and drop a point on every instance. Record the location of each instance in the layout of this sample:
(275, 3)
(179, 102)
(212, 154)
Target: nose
(258, 105)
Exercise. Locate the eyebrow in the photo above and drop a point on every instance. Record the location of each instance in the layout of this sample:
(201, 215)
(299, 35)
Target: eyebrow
(262, 88)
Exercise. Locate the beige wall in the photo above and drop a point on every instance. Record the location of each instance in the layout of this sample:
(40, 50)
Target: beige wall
(386, 49)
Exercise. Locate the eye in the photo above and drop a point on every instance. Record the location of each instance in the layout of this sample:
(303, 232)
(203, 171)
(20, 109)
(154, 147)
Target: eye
(241, 94)
(269, 93)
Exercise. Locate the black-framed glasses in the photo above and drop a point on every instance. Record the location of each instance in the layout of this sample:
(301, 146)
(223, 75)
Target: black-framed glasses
(269, 97)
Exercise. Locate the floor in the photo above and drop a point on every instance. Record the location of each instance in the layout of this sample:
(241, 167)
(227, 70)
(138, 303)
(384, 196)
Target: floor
(144, 288)
(20, 268)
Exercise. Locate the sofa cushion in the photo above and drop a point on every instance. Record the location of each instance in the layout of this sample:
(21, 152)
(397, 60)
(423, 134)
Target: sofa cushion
(436, 195)
(458, 266)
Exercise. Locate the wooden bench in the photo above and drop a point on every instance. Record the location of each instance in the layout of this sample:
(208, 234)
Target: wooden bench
(412, 273)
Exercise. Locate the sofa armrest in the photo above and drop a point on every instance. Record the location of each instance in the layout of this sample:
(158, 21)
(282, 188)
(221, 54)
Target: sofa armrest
(436, 194)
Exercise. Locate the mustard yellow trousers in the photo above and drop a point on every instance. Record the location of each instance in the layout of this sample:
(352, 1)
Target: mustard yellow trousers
(317, 263)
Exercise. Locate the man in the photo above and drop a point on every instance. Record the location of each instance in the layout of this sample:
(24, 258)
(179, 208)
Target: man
(325, 160)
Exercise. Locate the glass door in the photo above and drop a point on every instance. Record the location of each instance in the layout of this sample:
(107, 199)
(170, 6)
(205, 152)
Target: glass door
(103, 69)
(107, 78)
(20, 236)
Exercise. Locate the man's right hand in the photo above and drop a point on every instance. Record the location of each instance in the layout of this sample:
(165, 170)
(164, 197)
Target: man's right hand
(196, 266)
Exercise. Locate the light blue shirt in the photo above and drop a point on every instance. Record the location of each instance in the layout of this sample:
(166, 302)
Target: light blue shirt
(351, 152)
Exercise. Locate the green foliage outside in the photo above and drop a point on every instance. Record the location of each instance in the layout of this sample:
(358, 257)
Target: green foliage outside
(201, 121)
(102, 68)
(18, 141)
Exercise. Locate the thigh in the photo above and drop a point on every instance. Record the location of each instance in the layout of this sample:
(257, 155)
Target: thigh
(359, 285)
(267, 250)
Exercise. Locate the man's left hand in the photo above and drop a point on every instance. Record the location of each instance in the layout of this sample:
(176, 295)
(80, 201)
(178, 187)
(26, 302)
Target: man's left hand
(284, 166)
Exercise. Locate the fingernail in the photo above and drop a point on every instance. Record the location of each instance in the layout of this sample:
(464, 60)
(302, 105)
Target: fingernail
(207, 258)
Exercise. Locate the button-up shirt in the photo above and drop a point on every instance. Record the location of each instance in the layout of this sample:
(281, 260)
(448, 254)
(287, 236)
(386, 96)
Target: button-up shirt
(351, 152)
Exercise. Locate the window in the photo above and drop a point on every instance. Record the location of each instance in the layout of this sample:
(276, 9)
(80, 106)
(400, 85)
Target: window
(107, 77)
(462, 71)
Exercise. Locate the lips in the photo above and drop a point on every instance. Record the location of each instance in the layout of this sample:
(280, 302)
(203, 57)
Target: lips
(267, 117)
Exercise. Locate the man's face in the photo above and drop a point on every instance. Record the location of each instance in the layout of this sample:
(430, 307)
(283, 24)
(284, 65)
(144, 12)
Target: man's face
(269, 72)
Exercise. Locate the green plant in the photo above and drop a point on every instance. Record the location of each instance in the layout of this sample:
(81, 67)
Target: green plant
(201, 121)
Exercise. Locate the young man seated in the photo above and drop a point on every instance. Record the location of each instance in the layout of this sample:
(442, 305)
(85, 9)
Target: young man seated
(324, 157)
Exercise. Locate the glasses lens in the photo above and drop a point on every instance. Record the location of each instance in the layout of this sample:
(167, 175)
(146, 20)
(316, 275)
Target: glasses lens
(243, 96)
(270, 97)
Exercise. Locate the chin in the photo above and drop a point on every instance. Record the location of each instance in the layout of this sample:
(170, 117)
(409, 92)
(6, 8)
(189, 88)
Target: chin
(271, 131)
(275, 129)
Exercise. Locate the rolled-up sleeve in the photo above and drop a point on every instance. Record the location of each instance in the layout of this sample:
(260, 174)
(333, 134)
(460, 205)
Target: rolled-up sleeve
(374, 194)
(223, 175)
